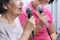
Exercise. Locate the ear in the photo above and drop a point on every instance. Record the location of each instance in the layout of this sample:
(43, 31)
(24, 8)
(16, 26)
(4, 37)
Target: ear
(5, 6)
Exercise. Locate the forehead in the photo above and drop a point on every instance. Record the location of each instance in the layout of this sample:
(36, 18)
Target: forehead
(14, 0)
(41, 0)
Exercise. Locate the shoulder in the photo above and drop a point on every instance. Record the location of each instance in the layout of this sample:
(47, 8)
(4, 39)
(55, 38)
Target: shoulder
(2, 28)
(47, 10)
(3, 32)
(2, 20)
(2, 23)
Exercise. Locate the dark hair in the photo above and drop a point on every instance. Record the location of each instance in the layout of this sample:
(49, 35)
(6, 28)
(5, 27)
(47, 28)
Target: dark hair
(51, 1)
(2, 10)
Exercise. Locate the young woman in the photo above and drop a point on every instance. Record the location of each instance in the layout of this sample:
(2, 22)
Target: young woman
(42, 20)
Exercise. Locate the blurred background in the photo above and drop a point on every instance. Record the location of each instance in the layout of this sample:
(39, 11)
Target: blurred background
(55, 8)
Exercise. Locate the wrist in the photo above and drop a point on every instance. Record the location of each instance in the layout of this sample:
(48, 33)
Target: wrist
(53, 36)
(27, 31)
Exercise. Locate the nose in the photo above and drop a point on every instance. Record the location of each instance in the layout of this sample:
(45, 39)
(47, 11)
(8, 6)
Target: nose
(48, 1)
(21, 3)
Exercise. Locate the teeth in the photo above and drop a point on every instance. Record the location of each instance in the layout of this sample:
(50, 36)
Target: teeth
(20, 7)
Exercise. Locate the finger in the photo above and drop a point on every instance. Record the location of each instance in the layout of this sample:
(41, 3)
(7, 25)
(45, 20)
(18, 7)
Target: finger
(32, 17)
(42, 14)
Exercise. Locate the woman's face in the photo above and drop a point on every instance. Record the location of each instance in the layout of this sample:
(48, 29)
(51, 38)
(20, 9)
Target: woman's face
(15, 7)
(42, 2)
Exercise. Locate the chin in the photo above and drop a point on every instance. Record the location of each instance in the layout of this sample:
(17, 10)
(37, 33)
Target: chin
(18, 13)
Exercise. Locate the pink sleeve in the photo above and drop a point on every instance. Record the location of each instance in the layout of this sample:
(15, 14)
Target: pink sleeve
(22, 18)
(50, 16)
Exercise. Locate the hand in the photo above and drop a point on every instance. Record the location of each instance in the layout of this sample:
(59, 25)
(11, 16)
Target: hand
(43, 20)
(30, 25)
(42, 17)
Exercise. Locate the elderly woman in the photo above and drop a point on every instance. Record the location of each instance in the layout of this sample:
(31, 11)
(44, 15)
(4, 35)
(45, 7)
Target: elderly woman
(44, 22)
(9, 10)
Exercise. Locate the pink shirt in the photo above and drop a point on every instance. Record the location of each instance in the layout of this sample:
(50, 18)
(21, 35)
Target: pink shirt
(42, 34)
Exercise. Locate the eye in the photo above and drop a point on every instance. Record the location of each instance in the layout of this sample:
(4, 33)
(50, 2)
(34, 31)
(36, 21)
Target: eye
(38, 0)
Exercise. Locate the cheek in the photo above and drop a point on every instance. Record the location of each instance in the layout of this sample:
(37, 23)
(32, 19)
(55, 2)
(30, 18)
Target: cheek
(42, 0)
(48, 1)
(17, 3)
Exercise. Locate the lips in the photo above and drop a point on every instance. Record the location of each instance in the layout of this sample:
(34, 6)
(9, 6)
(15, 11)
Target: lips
(20, 7)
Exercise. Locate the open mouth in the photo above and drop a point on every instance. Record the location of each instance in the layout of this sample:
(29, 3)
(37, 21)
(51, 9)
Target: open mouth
(20, 7)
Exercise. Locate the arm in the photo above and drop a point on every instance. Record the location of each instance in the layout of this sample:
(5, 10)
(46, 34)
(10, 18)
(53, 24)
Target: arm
(25, 35)
(51, 27)
(30, 25)
(52, 32)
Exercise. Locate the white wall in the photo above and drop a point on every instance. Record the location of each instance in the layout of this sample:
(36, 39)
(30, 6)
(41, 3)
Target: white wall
(58, 16)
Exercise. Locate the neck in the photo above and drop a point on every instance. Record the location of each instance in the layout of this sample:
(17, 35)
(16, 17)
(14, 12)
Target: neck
(34, 5)
(10, 17)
